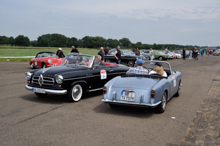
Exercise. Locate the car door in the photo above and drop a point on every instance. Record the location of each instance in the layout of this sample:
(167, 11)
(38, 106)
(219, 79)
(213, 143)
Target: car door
(172, 84)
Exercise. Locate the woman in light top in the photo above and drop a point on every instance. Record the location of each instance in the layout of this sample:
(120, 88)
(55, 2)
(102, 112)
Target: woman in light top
(151, 54)
(158, 70)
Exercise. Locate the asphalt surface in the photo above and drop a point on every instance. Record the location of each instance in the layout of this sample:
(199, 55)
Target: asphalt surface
(26, 119)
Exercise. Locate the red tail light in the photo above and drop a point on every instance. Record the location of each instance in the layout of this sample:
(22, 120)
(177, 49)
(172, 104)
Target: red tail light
(104, 90)
(152, 93)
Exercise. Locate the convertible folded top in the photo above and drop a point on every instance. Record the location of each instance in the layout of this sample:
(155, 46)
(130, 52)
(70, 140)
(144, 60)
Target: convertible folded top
(153, 76)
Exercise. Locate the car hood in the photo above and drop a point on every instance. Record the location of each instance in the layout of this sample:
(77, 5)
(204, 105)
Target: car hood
(135, 82)
(51, 71)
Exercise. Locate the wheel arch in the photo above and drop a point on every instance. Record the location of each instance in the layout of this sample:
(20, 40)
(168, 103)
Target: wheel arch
(82, 83)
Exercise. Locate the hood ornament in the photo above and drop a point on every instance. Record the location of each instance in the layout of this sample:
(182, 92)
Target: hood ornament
(41, 80)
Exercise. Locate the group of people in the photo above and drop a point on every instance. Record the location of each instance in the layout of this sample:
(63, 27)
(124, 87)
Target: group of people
(60, 52)
(194, 54)
(140, 69)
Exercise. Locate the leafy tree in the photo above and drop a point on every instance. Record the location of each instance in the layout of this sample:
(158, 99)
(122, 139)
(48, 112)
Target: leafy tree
(125, 42)
(3, 40)
(22, 41)
(34, 44)
(71, 42)
(11, 41)
(112, 43)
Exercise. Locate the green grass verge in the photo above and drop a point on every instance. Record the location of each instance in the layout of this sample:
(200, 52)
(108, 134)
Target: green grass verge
(16, 59)
(32, 51)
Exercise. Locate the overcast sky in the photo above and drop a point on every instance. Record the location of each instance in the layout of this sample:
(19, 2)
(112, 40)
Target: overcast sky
(185, 22)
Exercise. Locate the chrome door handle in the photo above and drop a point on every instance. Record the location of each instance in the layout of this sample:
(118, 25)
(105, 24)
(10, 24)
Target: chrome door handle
(111, 70)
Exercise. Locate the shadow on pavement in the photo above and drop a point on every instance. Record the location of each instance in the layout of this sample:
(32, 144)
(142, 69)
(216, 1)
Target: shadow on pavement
(125, 111)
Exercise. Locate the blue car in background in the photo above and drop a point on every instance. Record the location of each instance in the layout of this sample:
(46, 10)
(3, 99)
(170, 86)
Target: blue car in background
(143, 90)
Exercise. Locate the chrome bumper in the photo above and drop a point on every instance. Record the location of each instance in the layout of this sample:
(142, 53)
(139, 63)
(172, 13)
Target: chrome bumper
(130, 103)
(57, 92)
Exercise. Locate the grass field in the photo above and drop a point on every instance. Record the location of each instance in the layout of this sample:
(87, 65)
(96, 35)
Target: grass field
(32, 51)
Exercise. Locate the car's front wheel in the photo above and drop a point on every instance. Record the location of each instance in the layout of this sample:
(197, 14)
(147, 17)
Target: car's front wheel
(162, 106)
(32, 65)
(75, 93)
(160, 58)
(130, 63)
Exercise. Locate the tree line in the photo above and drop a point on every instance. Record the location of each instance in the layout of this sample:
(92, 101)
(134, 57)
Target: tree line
(59, 40)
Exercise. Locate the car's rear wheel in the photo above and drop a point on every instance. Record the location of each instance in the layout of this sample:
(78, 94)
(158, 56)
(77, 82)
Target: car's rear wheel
(75, 93)
(32, 65)
(178, 91)
(43, 65)
(130, 63)
(160, 58)
(40, 94)
(162, 106)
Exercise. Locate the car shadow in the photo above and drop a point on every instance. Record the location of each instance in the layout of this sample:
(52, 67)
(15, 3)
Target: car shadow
(52, 99)
(57, 99)
(122, 110)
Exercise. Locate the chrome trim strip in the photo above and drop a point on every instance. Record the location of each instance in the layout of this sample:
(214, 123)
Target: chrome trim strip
(57, 92)
(90, 76)
(131, 103)
(95, 89)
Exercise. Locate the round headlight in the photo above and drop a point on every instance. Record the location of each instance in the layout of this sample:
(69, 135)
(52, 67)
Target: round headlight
(28, 75)
(49, 61)
(59, 79)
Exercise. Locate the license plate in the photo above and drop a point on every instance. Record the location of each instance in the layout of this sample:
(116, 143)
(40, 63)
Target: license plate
(38, 90)
(127, 96)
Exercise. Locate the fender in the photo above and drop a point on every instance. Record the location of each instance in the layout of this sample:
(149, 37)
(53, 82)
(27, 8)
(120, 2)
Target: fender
(81, 81)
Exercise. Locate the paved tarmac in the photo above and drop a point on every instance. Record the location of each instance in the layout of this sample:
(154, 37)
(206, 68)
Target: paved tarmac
(26, 119)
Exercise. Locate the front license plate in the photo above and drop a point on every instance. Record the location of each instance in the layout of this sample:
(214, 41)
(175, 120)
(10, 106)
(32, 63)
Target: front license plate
(127, 96)
(37, 90)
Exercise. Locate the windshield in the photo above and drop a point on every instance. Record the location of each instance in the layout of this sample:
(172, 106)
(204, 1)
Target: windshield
(78, 59)
(151, 65)
(41, 55)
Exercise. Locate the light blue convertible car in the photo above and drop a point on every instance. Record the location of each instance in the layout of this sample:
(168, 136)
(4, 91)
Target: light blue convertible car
(143, 90)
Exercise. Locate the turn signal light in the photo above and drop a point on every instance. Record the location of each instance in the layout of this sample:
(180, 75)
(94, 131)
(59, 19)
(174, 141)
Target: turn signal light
(152, 93)
(104, 90)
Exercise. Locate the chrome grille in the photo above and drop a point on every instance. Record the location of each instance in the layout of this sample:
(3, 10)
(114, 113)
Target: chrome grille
(46, 80)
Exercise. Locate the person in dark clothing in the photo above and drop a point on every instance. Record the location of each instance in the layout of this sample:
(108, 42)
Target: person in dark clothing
(137, 52)
(117, 55)
(101, 53)
(60, 53)
(74, 50)
(106, 50)
(184, 53)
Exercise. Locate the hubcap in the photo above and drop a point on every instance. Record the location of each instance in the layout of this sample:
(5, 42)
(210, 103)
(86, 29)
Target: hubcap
(77, 92)
(164, 102)
(32, 65)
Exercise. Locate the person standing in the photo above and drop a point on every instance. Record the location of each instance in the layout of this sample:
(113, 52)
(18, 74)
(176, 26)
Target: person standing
(151, 54)
(166, 50)
(117, 55)
(208, 52)
(101, 53)
(196, 54)
(106, 50)
(137, 52)
(190, 54)
(74, 50)
(184, 53)
(60, 53)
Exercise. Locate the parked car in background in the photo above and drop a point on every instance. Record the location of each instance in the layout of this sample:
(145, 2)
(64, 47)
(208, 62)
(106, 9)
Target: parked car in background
(157, 54)
(216, 53)
(143, 90)
(45, 59)
(127, 57)
(177, 56)
(77, 74)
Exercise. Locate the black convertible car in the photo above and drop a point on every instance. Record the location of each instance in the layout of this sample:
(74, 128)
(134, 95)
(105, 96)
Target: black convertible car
(77, 74)
(127, 57)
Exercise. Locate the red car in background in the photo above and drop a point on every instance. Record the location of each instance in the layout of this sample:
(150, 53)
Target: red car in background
(45, 59)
